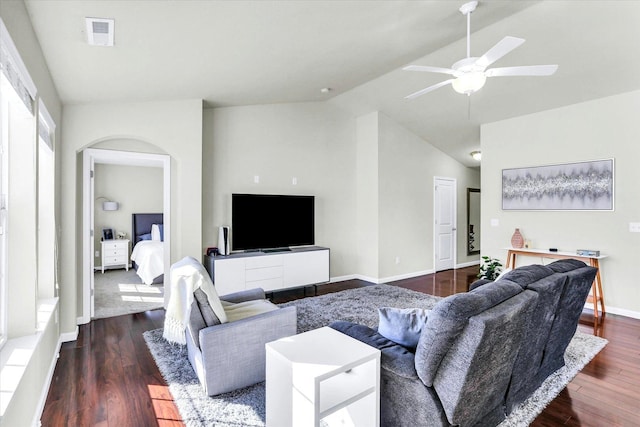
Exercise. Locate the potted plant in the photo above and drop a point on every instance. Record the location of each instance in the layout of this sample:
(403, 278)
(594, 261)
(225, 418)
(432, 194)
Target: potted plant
(490, 268)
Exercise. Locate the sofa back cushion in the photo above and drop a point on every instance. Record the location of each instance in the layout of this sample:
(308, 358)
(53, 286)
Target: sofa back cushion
(549, 289)
(447, 320)
(208, 314)
(579, 280)
(474, 374)
(195, 323)
(528, 274)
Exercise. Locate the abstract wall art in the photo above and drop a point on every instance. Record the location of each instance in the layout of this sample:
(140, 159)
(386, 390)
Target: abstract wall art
(570, 186)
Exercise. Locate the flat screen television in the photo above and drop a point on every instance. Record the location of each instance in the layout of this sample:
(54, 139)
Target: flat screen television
(267, 221)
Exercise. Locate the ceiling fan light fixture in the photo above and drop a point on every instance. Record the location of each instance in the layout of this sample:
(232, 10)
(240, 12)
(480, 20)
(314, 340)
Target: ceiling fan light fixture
(469, 83)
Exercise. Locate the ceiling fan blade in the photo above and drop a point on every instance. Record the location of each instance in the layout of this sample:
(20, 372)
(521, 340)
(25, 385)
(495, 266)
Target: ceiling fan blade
(428, 89)
(527, 70)
(501, 48)
(429, 69)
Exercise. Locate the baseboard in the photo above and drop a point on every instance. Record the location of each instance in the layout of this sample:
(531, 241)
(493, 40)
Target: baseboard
(467, 264)
(45, 390)
(405, 276)
(620, 311)
(354, 277)
(69, 336)
(394, 278)
(343, 278)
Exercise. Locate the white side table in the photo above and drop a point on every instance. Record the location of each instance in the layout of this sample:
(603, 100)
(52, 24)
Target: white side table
(322, 375)
(115, 252)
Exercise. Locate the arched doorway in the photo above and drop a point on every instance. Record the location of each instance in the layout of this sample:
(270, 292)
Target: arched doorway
(90, 157)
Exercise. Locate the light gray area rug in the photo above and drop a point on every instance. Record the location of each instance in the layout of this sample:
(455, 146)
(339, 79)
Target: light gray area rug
(245, 407)
(119, 292)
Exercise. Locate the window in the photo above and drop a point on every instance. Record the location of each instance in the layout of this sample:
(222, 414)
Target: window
(3, 211)
(46, 205)
(18, 191)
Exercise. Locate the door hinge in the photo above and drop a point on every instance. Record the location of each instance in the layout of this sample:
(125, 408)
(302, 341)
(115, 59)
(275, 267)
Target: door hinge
(91, 174)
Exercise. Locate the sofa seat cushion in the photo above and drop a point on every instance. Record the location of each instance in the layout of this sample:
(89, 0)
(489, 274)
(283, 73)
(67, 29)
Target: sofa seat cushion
(393, 357)
(449, 317)
(246, 309)
(402, 325)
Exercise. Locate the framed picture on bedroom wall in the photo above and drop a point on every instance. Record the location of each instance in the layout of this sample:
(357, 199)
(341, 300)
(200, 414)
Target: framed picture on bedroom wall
(107, 234)
(581, 186)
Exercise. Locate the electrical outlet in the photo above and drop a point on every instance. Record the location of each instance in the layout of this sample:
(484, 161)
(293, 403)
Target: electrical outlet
(294, 181)
(495, 222)
(397, 260)
(256, 179)
(634, 227)
(97, 254)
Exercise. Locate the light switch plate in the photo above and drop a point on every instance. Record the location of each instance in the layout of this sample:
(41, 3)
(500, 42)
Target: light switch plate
(495, 222)
(634, 227)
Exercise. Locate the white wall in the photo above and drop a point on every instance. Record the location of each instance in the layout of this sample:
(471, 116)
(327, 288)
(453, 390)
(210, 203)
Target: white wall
(367, 197)
(373, 181)
(599, 129)
(408, 165)
(172, 127)
(312, 142)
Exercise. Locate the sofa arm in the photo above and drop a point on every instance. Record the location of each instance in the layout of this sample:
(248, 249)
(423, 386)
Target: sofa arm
(242, 296)
(233, 354)
(393, 357)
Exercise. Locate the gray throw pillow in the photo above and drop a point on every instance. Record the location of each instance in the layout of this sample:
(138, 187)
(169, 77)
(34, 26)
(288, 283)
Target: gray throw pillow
(402, 325)
(208, 315)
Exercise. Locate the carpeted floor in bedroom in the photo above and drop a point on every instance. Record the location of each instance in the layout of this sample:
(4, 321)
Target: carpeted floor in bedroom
(119, 292)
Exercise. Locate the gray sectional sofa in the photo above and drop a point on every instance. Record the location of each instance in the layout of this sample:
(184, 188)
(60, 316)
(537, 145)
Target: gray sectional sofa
(482, 352)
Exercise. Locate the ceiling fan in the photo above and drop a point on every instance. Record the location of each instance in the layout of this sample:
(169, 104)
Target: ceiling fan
(471, 73)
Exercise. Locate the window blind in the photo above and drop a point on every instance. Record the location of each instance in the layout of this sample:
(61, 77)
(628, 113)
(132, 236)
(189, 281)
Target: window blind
(14, 69)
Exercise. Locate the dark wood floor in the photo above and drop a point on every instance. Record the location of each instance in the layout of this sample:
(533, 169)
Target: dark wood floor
(108, 378)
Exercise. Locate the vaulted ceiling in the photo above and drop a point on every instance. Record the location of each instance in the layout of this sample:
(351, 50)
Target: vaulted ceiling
(258, 52)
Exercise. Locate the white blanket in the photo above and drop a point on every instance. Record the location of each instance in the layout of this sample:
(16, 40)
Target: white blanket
(149, 255)
(186, 276)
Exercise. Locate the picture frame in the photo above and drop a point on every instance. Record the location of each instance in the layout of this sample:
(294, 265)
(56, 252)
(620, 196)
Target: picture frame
(579, 186)
(107, 234)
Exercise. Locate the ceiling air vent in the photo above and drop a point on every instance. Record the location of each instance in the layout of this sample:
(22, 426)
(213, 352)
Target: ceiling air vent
(100, 31)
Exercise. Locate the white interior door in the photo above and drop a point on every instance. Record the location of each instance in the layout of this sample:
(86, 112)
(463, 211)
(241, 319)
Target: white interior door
(444, 223)
(92, 248)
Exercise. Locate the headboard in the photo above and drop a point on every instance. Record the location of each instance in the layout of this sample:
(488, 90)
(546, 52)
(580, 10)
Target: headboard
(141, 224)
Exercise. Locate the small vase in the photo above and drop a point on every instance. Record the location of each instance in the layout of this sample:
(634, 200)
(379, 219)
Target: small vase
(517, 241)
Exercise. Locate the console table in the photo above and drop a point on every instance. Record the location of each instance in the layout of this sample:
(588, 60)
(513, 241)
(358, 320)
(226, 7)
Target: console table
(271, 271)
(322, 375)
(596, 297)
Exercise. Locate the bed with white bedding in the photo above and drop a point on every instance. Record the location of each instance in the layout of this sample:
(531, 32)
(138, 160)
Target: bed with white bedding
(148, 252)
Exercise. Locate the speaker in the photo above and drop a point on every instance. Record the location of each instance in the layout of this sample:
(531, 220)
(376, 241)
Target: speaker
(224, 246)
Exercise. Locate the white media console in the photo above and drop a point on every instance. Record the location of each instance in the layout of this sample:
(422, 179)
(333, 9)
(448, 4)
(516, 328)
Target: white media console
(270, 271)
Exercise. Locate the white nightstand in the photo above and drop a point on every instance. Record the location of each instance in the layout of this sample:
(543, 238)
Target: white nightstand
(115, 252)
(322, 375)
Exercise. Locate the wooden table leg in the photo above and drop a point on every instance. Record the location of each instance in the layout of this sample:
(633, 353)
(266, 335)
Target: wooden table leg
(598, 295)
(511, 259)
